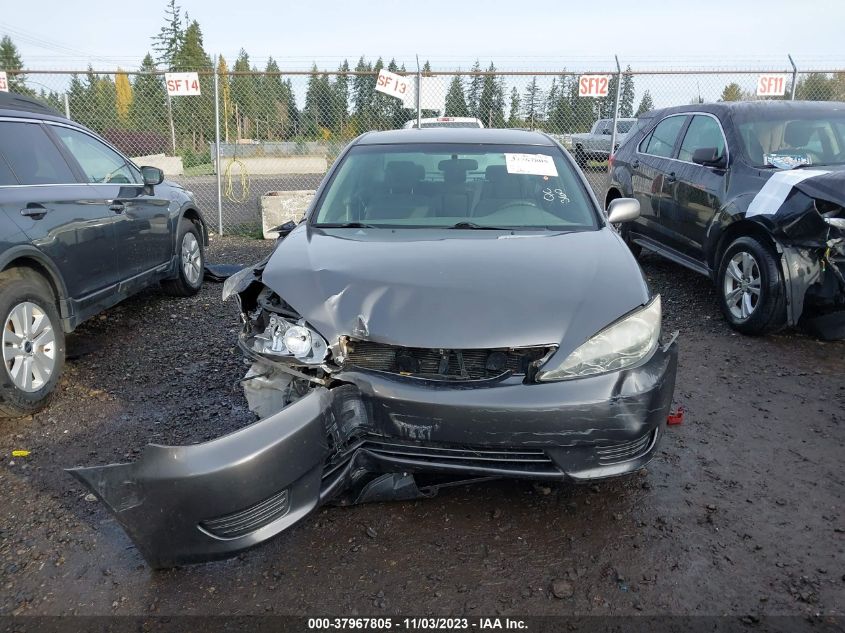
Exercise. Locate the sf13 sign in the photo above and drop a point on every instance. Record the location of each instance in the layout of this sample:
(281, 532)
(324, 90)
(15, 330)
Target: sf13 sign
(593, 85)
(182, 84)
(4, 82)
(771, 85)
(393, 84)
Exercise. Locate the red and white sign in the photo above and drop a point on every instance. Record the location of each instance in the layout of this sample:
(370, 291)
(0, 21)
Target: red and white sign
(4, 82)
(393, 84)
(182, 84)
(593, 85)
(771, 85)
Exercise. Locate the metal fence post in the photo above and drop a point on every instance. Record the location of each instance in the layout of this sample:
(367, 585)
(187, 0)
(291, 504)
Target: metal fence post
(794, 76)
(172, 127)
(217, 151)
(615, 111)
(419, 96)
(67, 107)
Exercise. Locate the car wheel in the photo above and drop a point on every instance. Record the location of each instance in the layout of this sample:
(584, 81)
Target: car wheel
(580, 156)
(33, 343)
(751, 289)
(191, 262)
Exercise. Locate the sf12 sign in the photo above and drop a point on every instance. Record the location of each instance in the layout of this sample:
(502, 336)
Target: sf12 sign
(593, 85)
(771, 85)
(4, 81)
(182, 84)
(393, 84)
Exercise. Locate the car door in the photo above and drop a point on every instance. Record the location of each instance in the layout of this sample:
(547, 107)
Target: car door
(57, 212)
(142, 220)
(698, 191)
(651, 169)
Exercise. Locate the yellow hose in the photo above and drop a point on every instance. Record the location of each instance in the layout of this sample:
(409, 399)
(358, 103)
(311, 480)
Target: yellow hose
(229, 189)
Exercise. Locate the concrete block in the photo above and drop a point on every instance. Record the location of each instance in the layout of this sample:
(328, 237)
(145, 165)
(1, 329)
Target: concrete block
(278, 207)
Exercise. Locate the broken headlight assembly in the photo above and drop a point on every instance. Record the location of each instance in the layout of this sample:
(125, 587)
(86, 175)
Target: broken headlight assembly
(286, 339)
(619, 346)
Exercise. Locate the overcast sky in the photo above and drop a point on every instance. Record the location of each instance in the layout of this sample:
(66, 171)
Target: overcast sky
(548, 34)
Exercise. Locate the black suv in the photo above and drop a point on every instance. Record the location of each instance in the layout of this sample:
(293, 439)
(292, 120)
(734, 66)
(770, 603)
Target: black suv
(81, 228)
(750, 194)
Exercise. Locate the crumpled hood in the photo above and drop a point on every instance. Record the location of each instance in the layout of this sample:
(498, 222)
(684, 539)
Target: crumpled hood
(456, 289)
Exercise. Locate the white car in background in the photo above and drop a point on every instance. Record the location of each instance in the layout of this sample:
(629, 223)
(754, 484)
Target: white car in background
(445, 121)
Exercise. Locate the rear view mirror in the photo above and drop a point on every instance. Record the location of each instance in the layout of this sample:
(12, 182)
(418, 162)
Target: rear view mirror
(623, 210)
(708, 156)
(152, 175)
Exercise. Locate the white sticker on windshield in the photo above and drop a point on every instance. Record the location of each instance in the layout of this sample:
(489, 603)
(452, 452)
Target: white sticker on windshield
(532, 164)
(786, 161)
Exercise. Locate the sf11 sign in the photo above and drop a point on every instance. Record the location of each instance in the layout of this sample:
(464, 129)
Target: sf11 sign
(182, 84)
(393, 84)
(4, 82)
(593, 85)
(771, 85)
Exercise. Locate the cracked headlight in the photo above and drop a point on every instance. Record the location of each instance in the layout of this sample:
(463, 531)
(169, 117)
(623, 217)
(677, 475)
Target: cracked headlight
(283, 338)
(619, 346)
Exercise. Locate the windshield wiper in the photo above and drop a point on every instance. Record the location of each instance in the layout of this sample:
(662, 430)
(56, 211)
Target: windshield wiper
(345, 225)
(482, 227)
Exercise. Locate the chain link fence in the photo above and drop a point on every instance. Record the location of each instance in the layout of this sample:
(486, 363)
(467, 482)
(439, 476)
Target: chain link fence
(250, 134)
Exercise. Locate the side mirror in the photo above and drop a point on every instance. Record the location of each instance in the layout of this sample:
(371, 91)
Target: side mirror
(605, 131)
(152, 175)
(708, 156)
(623, 210)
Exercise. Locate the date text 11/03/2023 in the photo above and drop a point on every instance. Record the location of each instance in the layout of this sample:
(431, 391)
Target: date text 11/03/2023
(419, 623)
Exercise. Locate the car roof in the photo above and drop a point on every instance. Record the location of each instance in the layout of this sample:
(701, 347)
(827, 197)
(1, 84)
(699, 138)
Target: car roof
(491, 136)
(748, 108)
(14, 104)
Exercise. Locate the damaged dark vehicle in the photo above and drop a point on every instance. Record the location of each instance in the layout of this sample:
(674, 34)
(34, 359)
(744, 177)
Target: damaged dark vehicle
(455, 307)
(751, 194)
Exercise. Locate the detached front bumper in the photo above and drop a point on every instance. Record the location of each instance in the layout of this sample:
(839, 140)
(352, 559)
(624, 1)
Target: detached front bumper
(196, 503)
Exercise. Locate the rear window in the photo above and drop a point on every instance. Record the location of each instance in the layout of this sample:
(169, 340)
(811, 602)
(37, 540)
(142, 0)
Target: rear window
(440, 185)
(31, 155)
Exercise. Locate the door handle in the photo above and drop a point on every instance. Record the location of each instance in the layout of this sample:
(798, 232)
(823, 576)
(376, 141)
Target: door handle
(34, 210)
(671, 177)
(635, 163)
(117, 206)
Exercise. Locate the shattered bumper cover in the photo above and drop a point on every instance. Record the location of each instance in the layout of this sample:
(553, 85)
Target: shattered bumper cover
(197, 503)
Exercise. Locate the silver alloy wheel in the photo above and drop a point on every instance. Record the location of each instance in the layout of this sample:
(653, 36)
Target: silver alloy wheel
(191, 258)
(742, 285)
(29, 347)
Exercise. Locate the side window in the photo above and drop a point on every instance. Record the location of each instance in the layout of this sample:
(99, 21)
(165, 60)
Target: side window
(661, 141)
(99, 162)
(32, 156)
(6, 175)
(703, 131)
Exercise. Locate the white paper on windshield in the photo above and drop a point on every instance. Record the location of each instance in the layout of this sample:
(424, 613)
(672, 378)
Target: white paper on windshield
(532, 164)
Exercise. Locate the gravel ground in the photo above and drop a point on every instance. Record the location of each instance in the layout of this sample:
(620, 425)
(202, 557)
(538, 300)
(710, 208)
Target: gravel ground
(740, 513)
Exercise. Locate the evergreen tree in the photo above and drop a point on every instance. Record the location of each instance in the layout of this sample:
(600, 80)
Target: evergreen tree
(340, 89)
(646, 104)
(227, 111)
(816, 87)
(513, 119)
(194, 115)
(626, 96)
(732, 92)
(532, 103)
(362, 88)
(11, 62)
(169, 39)
(270, 124)
(491, 101)
(560, 109)
(551, 100)
(148, 110)
(123, 97)
(292, 117)
(456, 104)
(607, 104)
(244, 91)
(473, 94)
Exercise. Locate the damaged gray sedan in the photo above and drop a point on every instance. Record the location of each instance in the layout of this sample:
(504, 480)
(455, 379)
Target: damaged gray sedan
(455, 307)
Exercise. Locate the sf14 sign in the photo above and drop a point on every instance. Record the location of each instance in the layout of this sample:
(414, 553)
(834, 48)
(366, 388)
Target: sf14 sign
(393, 84)
(593, 85)
(771, 85)
(4, 82)
(182, 84)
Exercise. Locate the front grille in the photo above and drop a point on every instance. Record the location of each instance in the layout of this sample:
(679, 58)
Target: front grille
(467, 364)
(625, 451)
(516, 460)
(245, 521)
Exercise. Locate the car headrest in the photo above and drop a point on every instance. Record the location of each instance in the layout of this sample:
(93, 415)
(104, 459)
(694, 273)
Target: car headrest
(400, 176)
(455, 169)
(797, 133)
(503, 184)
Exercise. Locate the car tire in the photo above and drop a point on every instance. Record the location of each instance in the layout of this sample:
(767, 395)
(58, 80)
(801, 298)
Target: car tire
(580, 157)
(33, 343)
(750, 286)
(191, 262)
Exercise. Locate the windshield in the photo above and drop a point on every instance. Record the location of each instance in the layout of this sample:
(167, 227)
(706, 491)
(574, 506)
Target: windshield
(444, 185)
(791, 141)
